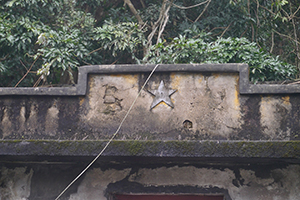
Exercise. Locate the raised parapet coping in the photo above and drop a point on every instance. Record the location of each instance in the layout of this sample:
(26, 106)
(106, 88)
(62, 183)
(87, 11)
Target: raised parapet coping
(245, 87)
(288, 151)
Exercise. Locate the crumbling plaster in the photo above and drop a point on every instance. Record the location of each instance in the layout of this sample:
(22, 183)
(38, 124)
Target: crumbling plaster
(243, 184)
(209, 102)
(222, 110)
(95, 182)
(260, 182)
(15, 184)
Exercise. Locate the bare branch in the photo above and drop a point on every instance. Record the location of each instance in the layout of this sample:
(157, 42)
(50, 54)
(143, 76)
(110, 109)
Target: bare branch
(93, 51)
(163, 22)
(257, 11)
(86, 62)
(193, 6)
(27, 71)
(1, 59)
(155, 26)
(287, 36)
(253, 31)
(248, 6)
(143, 4)
(297, 82)
(295, 34)
(23, 65)
(293, 15)
(270, 11)
(37, 82)
(288, 16)
(134, 11)
(274, 14)
(208, 2)
(225, 30)
(222, 27)
(244, 33)
(272, 46)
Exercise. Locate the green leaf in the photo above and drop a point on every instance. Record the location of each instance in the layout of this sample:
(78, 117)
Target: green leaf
(10, 3)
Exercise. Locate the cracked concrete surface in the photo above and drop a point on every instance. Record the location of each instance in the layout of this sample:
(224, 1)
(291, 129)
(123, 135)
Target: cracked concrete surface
(15, 183)
(210, 103)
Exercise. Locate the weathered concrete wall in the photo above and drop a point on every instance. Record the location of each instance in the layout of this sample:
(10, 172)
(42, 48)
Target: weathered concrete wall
(259, 182)
(206, 105)
(195, 129)
(15, 183)
(212, 108)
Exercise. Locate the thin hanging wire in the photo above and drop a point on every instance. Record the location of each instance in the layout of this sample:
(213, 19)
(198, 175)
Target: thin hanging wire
(114, 135)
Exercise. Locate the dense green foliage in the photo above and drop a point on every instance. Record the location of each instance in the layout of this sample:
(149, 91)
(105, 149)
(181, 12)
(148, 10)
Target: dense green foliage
(264, 67)
(45, 41)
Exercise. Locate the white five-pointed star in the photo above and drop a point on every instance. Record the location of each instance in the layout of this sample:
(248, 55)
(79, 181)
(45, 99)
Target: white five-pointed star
(162, 94)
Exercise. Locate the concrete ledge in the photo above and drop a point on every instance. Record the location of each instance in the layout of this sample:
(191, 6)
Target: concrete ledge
(160, 149)
(80, 89)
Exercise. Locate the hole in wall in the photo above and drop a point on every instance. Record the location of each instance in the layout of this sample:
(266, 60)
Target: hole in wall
(187, 124)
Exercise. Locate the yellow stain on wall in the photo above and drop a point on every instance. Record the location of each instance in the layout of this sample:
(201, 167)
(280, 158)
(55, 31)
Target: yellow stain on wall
(162, 103)
(200, 79)
(216, 75)
(236, 99)
(236, 94)
(81, 100)
(91, 81)
(286, 100)
(132, 79)
(176, 80)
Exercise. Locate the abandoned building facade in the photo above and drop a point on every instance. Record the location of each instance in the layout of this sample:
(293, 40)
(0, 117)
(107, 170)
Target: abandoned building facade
(192, 131)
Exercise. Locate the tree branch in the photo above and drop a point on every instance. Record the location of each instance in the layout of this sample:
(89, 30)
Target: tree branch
(293, 15)
(222, 27)
(272, 46)
(257, 11)
(265, 8)
(134, 11)
(295, 34)
(193, 6)
(225, 30)
(164, 21)
(287, 36)
(143, 4)
(155, 26)
(37, 82)
(208, 2)
(1, 59)
(23, 65)
(27, 72)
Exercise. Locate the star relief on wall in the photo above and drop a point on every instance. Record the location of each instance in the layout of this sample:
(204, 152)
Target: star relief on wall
(162, 94)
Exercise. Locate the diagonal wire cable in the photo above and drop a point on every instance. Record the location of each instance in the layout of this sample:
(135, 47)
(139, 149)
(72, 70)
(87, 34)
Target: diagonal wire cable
(111, 139)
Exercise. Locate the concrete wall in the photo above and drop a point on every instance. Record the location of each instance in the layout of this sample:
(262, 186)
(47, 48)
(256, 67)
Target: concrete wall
(195, 129)
(239, 182)
(207, 105)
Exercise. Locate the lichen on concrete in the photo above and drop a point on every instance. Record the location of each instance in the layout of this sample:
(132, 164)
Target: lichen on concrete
(187, 149)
